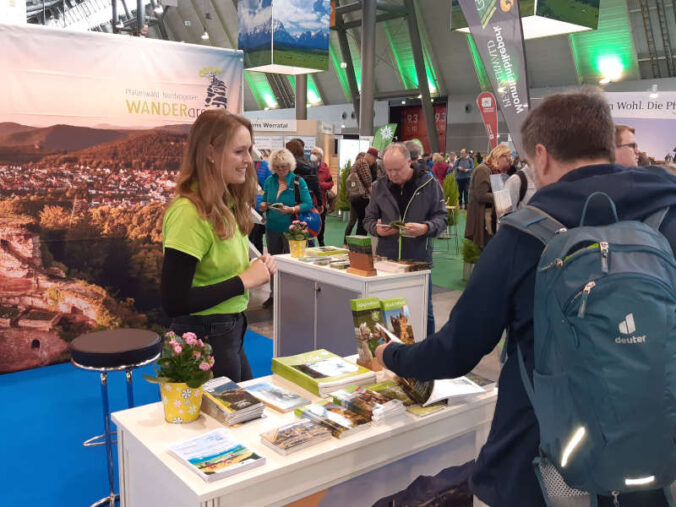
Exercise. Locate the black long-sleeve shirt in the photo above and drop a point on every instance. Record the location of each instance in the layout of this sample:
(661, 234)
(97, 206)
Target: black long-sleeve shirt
(179, 298)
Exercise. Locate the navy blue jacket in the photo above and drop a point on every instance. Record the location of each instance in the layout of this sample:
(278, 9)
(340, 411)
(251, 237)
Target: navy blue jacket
(502, 287)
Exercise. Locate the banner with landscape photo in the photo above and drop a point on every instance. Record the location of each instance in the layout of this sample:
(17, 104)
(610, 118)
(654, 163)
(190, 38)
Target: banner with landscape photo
(92, 131)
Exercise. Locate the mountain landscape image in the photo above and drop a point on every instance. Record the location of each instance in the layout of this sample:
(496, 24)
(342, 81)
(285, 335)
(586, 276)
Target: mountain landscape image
(80, 233)
(298, 31)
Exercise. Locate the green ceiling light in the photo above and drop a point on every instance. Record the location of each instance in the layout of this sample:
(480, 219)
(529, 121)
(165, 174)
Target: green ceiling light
(545, 18)
(340, 72)
(610, 67)
(313, 97)
(403, 56)
(481, 74)
(259, 87)
(608, 50)
(270, 101)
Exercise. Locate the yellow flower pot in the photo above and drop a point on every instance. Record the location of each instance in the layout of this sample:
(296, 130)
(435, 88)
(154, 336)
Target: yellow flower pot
(297, 247)
(181, 403)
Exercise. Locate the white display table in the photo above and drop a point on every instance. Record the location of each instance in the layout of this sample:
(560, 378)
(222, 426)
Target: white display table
(312, 304)
(150, 476)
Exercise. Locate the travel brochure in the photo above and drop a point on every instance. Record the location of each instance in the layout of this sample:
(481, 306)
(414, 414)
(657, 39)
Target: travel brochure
(295, 436)
(215, 455)
(226, 401)
(276, 397)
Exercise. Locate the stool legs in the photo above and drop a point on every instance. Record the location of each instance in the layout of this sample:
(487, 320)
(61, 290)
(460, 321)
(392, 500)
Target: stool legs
(130, 388)
(109, 443)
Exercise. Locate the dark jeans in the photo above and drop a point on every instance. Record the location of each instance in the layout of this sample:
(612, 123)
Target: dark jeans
(357, 212)
(430, 311)
(256, 236)
(277, 244)
(463, 190)
(320, 236)
(225, 334)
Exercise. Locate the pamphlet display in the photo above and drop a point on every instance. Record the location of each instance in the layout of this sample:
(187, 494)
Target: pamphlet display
(276, 397)
(361, 256)
(366, 314)
(341, 421)
(226, 401)
(295, 436)
(215, 455)
(321, 372)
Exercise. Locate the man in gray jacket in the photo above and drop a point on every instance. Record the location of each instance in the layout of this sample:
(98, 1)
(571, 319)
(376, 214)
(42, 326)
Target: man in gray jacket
(410, 196)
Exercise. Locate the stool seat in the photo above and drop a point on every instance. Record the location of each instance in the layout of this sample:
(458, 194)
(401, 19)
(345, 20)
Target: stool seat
(115, 348)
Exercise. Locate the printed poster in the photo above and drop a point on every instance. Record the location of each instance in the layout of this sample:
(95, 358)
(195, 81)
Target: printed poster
(92, 132)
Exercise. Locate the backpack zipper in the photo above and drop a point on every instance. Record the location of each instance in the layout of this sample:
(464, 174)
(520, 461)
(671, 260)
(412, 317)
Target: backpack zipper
(605, 253)
(585, 295)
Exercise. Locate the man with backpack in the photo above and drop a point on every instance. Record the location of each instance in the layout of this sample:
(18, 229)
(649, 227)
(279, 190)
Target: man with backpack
(604, 302)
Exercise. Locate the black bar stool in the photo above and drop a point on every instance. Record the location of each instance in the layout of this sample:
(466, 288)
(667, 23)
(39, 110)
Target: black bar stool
(113, 350)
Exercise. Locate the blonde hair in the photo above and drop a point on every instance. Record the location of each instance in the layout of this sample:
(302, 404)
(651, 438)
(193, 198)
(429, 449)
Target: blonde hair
(496, 153)
(436, 158)
(282, 157)
(201, 181)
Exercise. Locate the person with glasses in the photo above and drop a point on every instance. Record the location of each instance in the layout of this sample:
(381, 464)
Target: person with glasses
(626, 147)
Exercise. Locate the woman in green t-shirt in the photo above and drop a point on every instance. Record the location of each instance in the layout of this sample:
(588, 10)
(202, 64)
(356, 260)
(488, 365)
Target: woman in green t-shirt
(206, 273)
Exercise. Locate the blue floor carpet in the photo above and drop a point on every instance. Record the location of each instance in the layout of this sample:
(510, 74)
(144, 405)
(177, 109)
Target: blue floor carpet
(46, 415)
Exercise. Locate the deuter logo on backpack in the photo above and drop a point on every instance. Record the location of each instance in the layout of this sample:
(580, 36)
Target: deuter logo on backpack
(628, 326)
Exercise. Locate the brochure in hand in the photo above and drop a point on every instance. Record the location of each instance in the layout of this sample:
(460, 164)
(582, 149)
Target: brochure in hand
(366, 315)
(276, 397)
(321, 371)
(295, 436)
(215, 455)
(341, 421)
(226, 401)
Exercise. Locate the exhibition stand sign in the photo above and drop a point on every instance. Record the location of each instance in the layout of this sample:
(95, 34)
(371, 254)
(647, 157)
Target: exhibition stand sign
(489, 114)
(496, 28)
(92, 132)
(654, 119)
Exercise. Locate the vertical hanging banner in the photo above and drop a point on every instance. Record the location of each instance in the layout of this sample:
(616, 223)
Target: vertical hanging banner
(92, 132)
(489, 114)
(497, 31)
(413, 125)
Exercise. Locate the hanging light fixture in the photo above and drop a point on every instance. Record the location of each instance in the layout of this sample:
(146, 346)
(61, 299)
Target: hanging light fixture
(205, 35)
(653, 92)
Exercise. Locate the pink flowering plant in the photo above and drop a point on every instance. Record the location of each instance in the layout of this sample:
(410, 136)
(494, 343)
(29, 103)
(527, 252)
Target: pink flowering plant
(297, 231)
(184, 359)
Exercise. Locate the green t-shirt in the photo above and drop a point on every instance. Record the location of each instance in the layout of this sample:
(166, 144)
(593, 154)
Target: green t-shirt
(219, 260)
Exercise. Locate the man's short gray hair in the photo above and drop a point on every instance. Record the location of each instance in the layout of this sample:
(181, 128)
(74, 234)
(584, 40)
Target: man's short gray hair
(413, 149)
(400, 147)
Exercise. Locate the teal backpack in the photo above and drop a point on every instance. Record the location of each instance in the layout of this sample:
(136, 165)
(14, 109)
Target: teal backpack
(604, 379)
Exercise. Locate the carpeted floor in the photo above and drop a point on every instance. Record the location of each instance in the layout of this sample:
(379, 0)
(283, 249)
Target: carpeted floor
(48, 412)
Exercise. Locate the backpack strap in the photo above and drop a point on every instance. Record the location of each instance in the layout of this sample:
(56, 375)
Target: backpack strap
(524, 185)
(655, 220)
(535, 222)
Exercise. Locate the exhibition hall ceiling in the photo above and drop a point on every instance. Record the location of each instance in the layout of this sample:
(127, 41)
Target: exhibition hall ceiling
(620, 49)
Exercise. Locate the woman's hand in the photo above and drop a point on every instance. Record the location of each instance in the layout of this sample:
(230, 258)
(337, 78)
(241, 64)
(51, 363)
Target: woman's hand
(270, 263)
(288, 210)
(257, 274)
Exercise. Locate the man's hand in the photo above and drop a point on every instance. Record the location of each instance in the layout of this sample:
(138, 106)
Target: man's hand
(380, 350)
(415, 229)
(384, 230)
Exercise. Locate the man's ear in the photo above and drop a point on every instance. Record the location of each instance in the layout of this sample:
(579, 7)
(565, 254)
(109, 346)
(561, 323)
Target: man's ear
(542, 162)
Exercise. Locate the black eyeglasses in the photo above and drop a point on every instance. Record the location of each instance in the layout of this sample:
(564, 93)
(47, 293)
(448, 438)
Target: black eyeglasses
(633, 146)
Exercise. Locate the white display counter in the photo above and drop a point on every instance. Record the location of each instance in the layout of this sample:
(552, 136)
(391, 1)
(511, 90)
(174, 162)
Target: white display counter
(150, 476)
(312, 304)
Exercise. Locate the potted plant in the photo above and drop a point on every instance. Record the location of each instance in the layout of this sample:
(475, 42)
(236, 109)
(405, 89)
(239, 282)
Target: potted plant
(185, 364)
(470, 256)
(297, 236)
(343, 203)
(451, 195)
